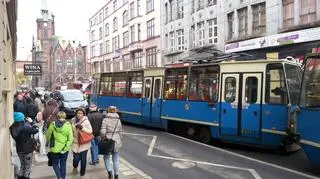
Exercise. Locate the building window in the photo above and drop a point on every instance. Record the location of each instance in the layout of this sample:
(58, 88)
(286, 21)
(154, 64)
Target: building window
(108, 46)
(179, 9)
(259, 18)
(106, 12)
(200, 4)
(100, 33)
(100, 17)
(92, 51)
(107, 29)
(150, 28)
(125, 18)
(288, 10)
(230, 25)
(126, 39)
(138, 7)
(166, 12)
(114, 6)
(127, 62)
(150, 5)
(192, 6)
(212, 31)
(151, 57)
(171, 10)
(101, 48)
(308, 11)
(243, 22)
(200, 26)
(116, 64)
(171, 41)
(115, 43)
(139, 32)
(132, 10)
(193, 36)
(101, 67)
(212, 2)
(115, 24)
(92, 36)
(132, 34)
(137, 56)
(108, 65)
(167, 42)
(180, 35)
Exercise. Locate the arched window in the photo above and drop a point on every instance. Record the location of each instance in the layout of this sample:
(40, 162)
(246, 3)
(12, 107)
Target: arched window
(107, 29)
(125, 18)
(100, 33)
(115, 24)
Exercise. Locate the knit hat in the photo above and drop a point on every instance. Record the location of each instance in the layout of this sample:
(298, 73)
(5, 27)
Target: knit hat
(18, 116)
(112, 109)
(81, 109)
(93, 107)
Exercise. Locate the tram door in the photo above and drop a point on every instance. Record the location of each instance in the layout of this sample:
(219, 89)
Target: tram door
(151, 103)
(241, 104)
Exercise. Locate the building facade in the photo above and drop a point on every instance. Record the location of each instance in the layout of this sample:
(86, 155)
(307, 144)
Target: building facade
(8, 39)
(62, 60)
(273, 28)
(188, 25)
(125, 35)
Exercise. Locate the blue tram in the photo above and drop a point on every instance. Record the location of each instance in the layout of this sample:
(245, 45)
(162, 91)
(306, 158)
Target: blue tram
(309, 109)
(245, 102)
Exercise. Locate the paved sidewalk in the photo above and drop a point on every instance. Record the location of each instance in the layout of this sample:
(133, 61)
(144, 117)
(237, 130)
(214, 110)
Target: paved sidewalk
(40, 170)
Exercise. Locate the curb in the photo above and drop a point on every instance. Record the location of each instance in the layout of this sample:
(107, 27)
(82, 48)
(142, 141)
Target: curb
(135, 169)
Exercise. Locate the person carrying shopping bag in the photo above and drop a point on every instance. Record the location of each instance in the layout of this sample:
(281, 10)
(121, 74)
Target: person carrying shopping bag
(81, 131)
(60, 136)
(112, 129)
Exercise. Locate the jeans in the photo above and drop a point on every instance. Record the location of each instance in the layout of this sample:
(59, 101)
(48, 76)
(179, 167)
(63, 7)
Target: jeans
(94, 150)
(115, 159)
(26, 162)
(59, 164)
(77, 157)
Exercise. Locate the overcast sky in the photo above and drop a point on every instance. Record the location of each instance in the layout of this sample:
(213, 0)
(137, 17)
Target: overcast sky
(71, 18)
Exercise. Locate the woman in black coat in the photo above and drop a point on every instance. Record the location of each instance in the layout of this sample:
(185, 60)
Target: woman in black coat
(22, 131)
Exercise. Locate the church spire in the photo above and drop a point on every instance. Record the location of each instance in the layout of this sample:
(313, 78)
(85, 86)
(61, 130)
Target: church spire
(44, 9)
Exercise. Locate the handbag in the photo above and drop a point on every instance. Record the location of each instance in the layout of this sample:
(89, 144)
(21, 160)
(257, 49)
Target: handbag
(106, 146)
(85, 137)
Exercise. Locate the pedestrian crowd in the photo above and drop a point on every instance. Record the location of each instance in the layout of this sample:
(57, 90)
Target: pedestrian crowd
(48, 131)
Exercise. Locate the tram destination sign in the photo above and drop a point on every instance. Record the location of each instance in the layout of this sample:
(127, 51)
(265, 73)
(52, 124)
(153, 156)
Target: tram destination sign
(32, 69)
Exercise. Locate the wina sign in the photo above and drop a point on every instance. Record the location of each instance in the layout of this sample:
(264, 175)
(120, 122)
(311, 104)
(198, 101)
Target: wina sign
(32, 69)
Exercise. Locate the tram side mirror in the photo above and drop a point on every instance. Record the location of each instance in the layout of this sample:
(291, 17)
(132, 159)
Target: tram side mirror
(278, 91)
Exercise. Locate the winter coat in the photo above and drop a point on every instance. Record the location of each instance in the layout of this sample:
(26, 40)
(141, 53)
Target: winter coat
(86, 127)
(21, 132)
(19, 106)
(31, 110)
(109, 124)
(95, 119)
(50, 112)
(61, 131)
(38, 103)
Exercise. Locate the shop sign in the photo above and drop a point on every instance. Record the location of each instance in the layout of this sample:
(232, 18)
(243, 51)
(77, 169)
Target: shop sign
(32, 69)
(247, 45)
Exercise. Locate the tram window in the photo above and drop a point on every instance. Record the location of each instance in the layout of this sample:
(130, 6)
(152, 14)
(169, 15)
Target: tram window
(276, 91)
(157, 88)
(119, 84)
(176, 84)
(106, 86)
(147, 88)
(251, 92)
(230, 89)
(204, 84)
(134, 86)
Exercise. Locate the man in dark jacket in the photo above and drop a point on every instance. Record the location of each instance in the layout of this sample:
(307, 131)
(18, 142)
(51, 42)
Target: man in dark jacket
(31, 109)
(19, 104)
(22, 131)
(95, 119)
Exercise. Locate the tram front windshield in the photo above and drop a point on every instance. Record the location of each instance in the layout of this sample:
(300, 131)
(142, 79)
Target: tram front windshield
(310, 91)
(293, 75)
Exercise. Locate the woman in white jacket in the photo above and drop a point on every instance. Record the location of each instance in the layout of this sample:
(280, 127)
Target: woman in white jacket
(109, 124)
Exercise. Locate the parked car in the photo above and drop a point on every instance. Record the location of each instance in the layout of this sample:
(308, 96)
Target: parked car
(71, 99)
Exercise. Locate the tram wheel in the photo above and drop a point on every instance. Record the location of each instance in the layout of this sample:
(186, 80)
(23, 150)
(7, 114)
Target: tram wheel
(205, 135)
